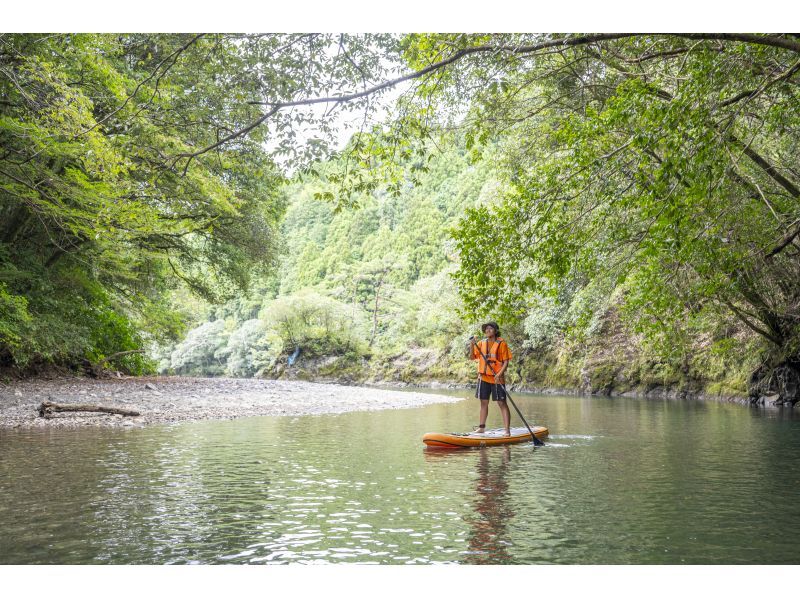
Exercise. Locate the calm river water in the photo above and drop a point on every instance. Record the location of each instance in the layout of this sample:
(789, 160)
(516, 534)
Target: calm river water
(619, 481)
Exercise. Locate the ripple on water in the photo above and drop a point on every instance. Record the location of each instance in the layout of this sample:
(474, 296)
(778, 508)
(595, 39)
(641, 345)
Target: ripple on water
(360, 488)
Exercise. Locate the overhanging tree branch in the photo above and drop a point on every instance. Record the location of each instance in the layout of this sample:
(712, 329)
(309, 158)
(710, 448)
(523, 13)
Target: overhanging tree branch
(458, 55)
(173, 56)
(752, 93)
(785, 242)
(765, 166)
(561, 43)
(774, 41)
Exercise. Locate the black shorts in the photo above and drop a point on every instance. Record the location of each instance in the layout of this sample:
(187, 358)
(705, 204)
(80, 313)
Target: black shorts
(486, 389)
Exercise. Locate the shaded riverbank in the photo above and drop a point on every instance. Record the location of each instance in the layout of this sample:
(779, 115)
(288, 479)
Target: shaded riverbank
(427, 368)
(654, 393)
(176, 399)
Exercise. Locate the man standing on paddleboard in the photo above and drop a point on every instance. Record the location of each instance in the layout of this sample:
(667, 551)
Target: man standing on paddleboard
(492, 355)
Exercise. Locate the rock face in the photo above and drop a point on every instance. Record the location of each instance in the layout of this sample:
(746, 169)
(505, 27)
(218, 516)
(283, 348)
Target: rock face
(779, 385)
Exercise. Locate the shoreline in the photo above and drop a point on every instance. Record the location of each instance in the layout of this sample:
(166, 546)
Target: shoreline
(174, 399)
(661, 392)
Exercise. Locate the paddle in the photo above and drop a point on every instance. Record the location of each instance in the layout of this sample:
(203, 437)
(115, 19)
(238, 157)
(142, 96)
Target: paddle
(536, 441)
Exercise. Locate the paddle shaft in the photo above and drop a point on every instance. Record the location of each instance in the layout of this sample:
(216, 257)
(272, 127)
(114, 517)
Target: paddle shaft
(536, 441)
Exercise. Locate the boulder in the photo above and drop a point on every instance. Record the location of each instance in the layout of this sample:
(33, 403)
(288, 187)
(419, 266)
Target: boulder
(778, 385)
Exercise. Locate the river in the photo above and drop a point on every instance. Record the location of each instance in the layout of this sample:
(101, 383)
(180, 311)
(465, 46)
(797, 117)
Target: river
(620, 480)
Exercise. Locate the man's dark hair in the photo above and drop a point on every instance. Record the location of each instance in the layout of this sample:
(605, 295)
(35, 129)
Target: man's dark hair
(493, 325)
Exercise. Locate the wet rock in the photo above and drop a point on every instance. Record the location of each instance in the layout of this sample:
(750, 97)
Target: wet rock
(782, 380)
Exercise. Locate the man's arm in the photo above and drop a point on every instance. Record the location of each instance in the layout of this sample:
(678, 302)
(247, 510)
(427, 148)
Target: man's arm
(502, 369)
(504, 363)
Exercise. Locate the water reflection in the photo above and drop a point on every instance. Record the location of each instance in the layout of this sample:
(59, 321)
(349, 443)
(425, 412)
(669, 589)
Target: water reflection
(621, 481)
(488, 539)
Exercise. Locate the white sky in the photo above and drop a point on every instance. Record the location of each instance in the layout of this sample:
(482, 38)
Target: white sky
(347, 123)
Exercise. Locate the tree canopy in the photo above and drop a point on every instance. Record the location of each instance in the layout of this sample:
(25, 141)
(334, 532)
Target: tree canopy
(97, 220)
(655, 172)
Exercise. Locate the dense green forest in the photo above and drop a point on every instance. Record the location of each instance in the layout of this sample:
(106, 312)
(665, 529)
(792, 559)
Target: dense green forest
(626, 206)
(352, 284)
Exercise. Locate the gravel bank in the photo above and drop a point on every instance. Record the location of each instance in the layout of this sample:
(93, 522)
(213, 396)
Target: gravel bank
(176, 399)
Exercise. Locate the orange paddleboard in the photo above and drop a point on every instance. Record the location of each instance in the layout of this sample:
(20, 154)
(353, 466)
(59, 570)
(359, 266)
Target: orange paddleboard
(488, 438)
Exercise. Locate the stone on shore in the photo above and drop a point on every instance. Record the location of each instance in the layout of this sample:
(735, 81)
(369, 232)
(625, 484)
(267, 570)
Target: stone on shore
(176, 399)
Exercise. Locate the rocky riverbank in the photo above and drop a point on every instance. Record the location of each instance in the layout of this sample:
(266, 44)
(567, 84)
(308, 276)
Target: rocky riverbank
(425, 368)
(177, 399)
(169, 399)
(657, 392)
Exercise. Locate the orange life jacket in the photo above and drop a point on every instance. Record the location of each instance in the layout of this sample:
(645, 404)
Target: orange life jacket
(496, 353)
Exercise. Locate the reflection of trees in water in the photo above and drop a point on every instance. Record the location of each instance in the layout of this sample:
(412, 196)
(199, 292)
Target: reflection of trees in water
(487, 540)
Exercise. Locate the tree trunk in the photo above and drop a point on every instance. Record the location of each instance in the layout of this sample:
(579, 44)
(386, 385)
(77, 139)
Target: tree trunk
(47, 408)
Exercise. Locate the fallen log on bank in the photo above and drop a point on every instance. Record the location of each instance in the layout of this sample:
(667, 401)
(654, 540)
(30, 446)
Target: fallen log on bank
(47, 408)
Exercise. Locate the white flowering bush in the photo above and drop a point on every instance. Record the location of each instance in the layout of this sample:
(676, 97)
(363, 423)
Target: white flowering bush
(203, 350)
(245, 349)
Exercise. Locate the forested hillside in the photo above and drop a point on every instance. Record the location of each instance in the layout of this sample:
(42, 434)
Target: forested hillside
(370, 294)
(355, 283)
